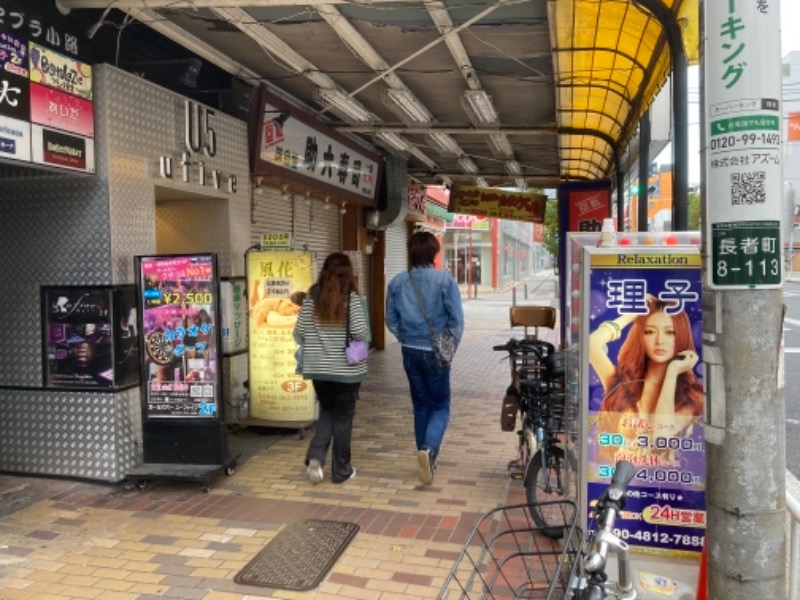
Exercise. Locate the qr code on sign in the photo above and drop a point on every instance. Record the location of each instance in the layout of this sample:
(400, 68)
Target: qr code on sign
(748, 188)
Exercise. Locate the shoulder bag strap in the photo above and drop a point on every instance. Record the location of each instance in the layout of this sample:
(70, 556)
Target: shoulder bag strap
(347, 323)
(421, 303)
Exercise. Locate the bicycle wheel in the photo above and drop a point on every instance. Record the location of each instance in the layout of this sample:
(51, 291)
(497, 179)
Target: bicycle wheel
(555, 482)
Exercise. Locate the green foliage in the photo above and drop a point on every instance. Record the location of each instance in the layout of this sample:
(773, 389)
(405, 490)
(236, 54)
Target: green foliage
(550, 241)
(694, 211)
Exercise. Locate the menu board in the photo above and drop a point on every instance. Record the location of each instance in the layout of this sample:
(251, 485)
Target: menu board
(278, 281)
(179, 297)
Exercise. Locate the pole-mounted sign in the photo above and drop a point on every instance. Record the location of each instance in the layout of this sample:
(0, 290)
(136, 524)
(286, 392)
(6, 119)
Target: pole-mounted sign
(743, 160)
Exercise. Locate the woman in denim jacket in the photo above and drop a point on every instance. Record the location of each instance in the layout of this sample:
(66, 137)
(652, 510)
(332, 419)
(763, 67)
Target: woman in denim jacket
(428, 381)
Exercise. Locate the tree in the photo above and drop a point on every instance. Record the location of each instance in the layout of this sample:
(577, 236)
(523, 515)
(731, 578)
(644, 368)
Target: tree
(694, 210)
(550, 241)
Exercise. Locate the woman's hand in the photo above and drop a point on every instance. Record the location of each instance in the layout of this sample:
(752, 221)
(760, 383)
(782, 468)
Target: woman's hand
(682, 362)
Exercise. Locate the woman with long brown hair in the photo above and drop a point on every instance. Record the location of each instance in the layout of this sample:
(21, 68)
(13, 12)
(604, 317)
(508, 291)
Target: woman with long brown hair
(653, 378)
(321, 331)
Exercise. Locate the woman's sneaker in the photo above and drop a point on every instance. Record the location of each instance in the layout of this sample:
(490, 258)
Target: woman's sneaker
(425, 466)
(315, 474)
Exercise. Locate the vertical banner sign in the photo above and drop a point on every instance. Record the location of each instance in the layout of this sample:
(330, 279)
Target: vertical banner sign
(233, 311)
(646, 395)
(743, 116)
(277, 281)
(179, 296)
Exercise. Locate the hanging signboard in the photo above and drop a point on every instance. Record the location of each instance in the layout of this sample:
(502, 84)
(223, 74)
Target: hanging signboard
(277, 281)
(643, 332)
(743, 160)
(293, 146)
(501, 204)
(179, 297)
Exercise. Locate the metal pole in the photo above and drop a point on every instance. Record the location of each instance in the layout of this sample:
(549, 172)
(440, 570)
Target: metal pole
(644, 172)
(514, 296)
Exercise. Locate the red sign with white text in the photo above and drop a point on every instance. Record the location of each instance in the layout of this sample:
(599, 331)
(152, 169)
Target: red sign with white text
(59, 110)
(588, 208)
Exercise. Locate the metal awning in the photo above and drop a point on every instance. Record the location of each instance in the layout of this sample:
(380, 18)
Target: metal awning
(498, 93)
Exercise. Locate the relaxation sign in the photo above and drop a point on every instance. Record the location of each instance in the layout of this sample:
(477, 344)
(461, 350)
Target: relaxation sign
(645, 393)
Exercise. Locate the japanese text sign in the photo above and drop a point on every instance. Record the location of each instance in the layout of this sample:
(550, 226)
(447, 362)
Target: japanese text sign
(743, 116)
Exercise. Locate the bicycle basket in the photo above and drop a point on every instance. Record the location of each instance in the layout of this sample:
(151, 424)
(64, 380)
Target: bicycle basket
(507, 556)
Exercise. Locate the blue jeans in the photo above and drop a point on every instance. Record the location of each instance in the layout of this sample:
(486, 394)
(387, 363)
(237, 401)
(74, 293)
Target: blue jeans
(430, 396)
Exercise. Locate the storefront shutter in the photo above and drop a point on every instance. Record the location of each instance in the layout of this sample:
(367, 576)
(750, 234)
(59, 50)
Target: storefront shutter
(313, 226)
(396, 255)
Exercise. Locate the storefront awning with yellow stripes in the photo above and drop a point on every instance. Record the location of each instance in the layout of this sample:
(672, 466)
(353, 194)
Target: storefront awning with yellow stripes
(611, 59)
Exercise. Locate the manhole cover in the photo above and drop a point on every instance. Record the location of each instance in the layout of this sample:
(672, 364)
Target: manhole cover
(300, 556)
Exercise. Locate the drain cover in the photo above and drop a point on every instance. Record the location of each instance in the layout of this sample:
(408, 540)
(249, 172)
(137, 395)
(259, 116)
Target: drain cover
(300, 556)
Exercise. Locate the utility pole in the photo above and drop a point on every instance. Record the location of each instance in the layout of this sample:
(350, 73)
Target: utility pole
(743, 302)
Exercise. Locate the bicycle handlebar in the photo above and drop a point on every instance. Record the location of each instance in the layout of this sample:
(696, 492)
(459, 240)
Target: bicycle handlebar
(623, 473)
(514, 347)
(608, 505)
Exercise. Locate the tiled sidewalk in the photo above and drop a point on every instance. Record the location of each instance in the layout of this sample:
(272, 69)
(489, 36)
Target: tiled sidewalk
(62, 539)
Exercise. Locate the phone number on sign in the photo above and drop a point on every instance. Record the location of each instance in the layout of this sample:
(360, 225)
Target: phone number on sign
(674, 539)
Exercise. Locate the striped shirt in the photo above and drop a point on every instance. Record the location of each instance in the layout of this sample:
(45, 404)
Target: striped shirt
(323, 344)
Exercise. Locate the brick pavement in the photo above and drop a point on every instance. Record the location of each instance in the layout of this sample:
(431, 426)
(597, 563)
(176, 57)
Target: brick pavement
(67, 539)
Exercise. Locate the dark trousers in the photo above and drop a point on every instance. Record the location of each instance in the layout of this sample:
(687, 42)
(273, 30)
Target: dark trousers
(337, 407)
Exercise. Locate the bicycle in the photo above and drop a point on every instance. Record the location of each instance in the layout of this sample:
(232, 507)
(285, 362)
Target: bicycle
(538, 386)
(504, 557)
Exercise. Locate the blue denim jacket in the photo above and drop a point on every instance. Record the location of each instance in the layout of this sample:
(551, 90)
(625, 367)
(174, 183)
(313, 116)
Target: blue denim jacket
(442, 304)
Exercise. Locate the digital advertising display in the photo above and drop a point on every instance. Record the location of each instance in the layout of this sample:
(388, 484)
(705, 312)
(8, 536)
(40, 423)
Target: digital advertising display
(645, 394)
(179, 297)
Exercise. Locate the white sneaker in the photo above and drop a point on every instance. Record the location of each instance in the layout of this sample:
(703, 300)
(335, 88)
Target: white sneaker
(425, 467)
(315, 474)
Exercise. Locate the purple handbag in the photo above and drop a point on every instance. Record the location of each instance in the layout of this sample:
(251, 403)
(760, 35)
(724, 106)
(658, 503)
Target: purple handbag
(356, 350)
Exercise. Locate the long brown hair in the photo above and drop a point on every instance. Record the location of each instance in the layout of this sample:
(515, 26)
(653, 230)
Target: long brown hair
(334, 284)
(628, 382)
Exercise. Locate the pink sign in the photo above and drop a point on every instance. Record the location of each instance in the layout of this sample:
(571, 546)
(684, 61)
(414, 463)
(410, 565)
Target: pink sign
(60, 110)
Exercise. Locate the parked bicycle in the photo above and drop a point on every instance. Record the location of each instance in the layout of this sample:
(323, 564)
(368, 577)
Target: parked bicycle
(537, 392)
(508, 556)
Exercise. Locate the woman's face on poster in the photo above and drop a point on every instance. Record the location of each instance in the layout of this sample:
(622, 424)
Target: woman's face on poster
(659, 337)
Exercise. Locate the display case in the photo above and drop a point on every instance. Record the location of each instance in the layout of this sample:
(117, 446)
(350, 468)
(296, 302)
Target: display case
(90, 337)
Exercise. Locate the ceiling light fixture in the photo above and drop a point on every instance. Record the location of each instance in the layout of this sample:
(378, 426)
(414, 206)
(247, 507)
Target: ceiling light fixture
(407, 107)
(480, 109)
(500, 145)
(467, 165)
(327, 203)
(343, 210)
(444, 144)
(393, 141)
(285, 192)
(513, 167)
(257, 188)
(348, 109)
(308, 198)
